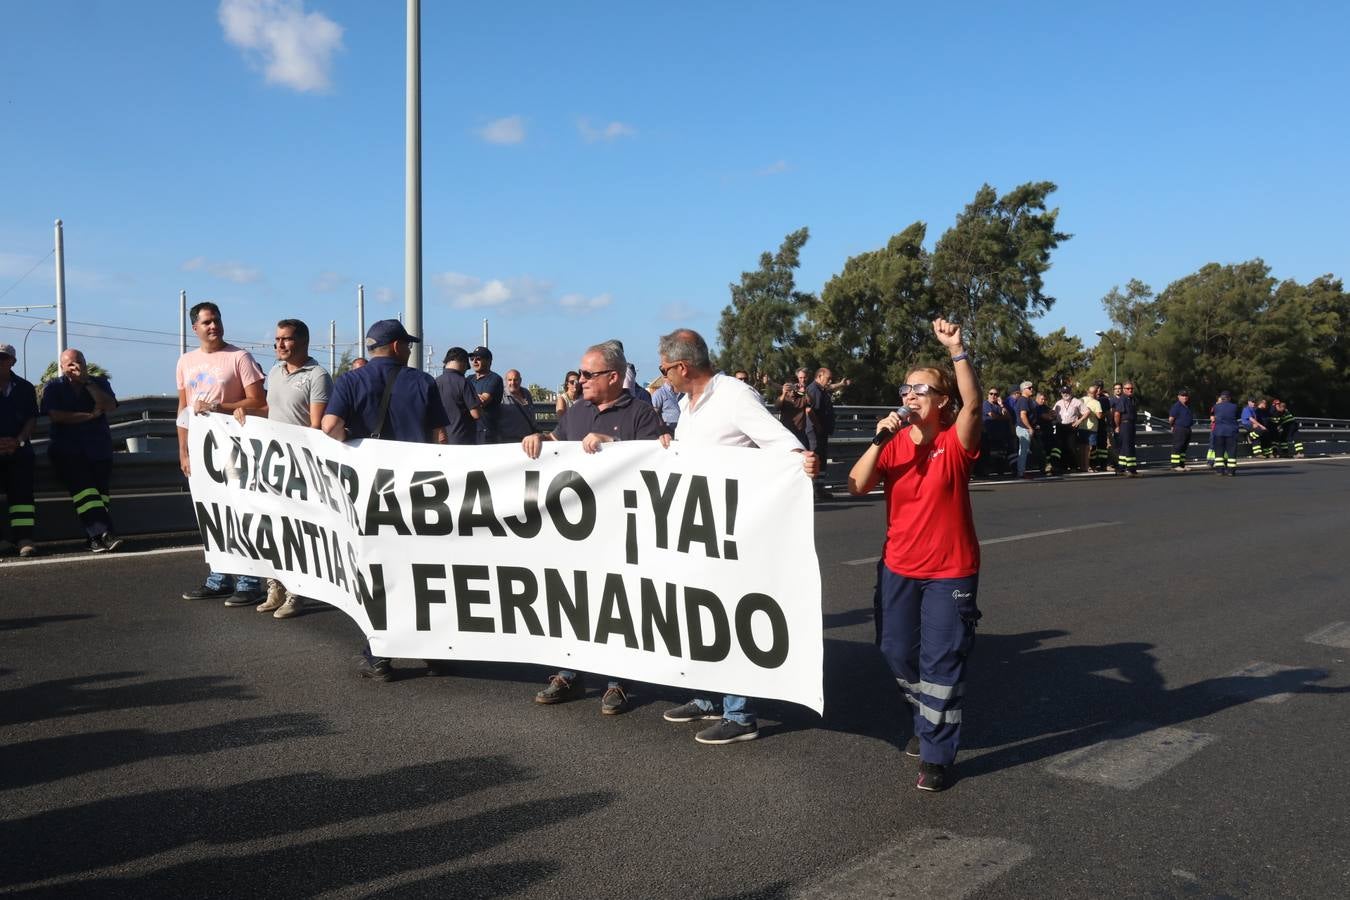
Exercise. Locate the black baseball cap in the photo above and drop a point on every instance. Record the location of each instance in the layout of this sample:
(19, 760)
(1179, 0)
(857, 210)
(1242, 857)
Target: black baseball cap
(385, 332)
(480, 351)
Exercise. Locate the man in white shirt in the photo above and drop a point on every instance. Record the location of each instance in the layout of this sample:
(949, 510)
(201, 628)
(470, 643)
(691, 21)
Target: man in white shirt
(718, 410)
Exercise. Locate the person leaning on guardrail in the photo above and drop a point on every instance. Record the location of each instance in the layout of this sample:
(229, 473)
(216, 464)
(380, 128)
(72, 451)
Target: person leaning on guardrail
(18, 416)
(928, 575)
(216, 378)
(81, 447)
(297, 394)
(1285, 428)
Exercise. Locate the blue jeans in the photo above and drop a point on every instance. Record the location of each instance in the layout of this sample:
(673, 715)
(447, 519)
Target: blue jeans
(733, 708)
(1023, 449)
(570, 675)
(241, 583)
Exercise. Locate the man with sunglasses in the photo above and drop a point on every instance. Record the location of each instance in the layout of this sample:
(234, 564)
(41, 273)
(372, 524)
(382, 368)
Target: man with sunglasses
(718, 410)
(1126, 414)
(490, 388)
(605, 413)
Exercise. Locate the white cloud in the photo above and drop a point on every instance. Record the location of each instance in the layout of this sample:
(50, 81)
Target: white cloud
(611, 132)
(582, 303)
(385, 295)
(327, 282)
(679, 311)
(508, 130)
(294, 48)
(776, 168)
(229, 271)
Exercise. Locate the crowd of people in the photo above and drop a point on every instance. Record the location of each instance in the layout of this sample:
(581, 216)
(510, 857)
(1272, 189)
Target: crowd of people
(1026, 435)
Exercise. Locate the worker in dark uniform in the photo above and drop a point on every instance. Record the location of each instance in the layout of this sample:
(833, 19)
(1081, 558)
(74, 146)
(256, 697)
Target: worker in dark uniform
(391, 401)
(1249, 425)
(1126, 412)
(1182, 420)
(81, 448)
(1285, 430)
(18, 415)
(1266, 445)
(1225, 429)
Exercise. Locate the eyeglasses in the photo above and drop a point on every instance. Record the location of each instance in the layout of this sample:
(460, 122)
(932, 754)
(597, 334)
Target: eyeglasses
(664, 369)
(571, 381)
(587, 376)
(918, 390)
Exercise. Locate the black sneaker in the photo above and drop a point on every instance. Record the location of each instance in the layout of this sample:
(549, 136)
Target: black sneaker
(912, 747)
(932, 777)
(96, 545)
(728, 732)
(207, 593)
(690, 712)
(244, 598)
(614, 702)
(560, 690)
(379, 670)
(111, 541)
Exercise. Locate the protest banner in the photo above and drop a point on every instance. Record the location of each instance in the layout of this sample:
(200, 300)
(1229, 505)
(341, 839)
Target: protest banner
(689, 566)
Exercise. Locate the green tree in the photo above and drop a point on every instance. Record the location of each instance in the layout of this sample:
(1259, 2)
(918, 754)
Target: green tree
(1063, 360)
(758, 330)
(872, 320)
(987, 273)
(344, 363)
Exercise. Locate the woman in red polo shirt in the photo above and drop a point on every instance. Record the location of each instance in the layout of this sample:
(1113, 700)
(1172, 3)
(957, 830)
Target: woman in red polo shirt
(928, 576)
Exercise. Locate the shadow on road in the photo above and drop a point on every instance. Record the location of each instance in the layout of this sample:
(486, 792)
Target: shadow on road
(37, 621)
(78, 696)
(476, 882)
(49, 759)
(117, 831)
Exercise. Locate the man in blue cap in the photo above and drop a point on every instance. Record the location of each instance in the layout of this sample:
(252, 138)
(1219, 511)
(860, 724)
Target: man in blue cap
(385, 400)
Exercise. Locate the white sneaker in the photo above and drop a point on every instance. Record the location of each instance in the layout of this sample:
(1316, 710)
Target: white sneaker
(294, 603)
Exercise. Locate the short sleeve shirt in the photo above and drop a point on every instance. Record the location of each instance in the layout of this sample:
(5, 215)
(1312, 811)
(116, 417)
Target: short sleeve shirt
(1182, 414)
(414, 407)
(1094, 411)
(218, 377)
(1028, 406)
(930, 531)
(491, 384)
(458, 398)
(92, 439)
(1068, 411)
(290, 394)
(624, 419)
(1225, 419)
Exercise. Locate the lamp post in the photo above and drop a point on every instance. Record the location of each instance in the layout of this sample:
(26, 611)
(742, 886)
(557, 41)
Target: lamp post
(1103, 334)
(25, 344)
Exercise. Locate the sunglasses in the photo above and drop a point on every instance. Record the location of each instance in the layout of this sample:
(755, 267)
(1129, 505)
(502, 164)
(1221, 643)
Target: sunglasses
(918, 390)
(664, 369)
(587, 376)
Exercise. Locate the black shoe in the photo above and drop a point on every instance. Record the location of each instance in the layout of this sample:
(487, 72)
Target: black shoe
(110, 541)
(560, 690)
(912, 747)
(690, 712)
(728, 732)
(96, 545)
(207, 593)
(244, 598)
(932, 777)
(379, 670)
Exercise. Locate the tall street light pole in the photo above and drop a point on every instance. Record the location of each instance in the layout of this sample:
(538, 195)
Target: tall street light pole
(1103, 334)
(25, 345)
(412, 198)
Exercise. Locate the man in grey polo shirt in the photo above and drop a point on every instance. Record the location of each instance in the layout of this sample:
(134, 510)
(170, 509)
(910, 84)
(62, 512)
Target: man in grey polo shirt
(605, 413)
(297, 394)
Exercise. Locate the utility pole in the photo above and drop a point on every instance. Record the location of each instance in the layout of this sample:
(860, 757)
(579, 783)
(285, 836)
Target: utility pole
(182, 322)
(332, 345)
(360, 320)
(60, 292)
(412, 226)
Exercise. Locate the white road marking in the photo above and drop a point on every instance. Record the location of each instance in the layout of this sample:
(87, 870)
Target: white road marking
(1337, 634)
(872, 560)
(1136, 755)
(928, 863)
(1249, 682)
(95, 557)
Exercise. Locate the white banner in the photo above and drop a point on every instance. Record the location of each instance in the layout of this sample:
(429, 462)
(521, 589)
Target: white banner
(692, 566)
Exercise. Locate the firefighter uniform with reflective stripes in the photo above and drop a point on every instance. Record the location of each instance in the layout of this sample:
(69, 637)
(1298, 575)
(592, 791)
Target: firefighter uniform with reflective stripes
(18, 414)
(1284, 428)
(1182, 421)
(1127, 409)
(82, 452)
(1225, 431)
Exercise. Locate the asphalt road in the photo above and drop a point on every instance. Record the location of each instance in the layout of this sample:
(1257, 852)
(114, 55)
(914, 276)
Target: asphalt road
(1146, 716)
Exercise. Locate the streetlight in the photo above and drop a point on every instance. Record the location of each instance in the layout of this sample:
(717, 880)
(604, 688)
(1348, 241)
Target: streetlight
(1103, 334)
(25, 343)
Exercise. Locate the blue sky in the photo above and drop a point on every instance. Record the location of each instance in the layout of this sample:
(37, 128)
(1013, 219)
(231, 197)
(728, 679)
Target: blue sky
(596, 170)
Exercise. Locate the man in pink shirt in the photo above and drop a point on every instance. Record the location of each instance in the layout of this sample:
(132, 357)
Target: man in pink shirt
(216, 378)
